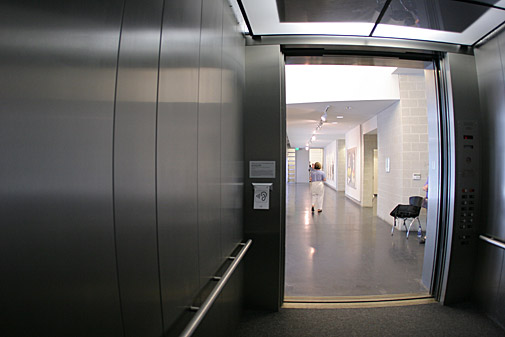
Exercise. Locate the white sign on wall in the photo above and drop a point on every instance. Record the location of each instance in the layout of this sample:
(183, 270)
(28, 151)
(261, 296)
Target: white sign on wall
(262, 169)
(261, 195)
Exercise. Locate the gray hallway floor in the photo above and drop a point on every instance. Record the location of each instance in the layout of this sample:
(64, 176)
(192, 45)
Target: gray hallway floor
(345, 250)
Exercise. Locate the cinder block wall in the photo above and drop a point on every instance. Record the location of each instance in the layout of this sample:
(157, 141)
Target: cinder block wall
(402, 135)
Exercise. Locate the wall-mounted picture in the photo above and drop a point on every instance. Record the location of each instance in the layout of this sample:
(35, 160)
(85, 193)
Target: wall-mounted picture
(330, 169)
(351, 167)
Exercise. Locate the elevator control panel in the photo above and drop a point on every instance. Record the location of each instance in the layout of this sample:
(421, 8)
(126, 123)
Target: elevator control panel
(467, 184)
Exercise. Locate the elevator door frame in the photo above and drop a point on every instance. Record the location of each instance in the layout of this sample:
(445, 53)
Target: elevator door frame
(445, 164)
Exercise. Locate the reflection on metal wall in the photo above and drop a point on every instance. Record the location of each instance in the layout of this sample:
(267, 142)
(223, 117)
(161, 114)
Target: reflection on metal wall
(134, 168)
(58, 265)
(121, 146)
(490, 288)
(177, 156)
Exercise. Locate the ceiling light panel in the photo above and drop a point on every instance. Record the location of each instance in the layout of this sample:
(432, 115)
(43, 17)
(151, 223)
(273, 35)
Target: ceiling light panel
(439, 20)
(448, 21)
(263, 16)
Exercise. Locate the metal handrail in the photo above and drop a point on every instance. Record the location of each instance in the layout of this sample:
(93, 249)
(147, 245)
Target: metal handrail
(205, 307)
(492, 241)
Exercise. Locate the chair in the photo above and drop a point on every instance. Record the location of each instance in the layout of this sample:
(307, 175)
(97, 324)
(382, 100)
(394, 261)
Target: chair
(405, 212)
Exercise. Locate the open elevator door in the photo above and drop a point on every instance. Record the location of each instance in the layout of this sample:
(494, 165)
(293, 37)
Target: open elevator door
(429, 64)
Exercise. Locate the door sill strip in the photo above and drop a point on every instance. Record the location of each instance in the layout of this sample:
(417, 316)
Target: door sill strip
(335, 302)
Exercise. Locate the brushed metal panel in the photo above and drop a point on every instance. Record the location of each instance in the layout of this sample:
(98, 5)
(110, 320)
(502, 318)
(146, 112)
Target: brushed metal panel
(57, 79)
(264, 115)
(177, 157)
(492, 86)
(500, 298)
(224, 316)
(135, 169)
(488, 273)
(232, 177)
(209, 140)
(466, 172)
(490, 286)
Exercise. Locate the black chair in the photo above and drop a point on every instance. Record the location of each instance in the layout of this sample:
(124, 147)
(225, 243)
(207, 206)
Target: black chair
(405, 212)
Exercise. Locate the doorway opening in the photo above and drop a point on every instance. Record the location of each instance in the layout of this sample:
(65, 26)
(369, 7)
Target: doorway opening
(376, 128)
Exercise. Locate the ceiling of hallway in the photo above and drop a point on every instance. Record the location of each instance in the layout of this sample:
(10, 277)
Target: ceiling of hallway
(451, 21)
(303, 118)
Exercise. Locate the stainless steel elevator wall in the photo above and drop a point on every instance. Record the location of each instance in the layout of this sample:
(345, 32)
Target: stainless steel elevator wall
(490, 285)
(135, 168)
(58, 262)
(209, 154)
(178, 156)
(121, 178)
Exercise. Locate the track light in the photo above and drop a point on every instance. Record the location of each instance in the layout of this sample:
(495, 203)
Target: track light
(324, 118)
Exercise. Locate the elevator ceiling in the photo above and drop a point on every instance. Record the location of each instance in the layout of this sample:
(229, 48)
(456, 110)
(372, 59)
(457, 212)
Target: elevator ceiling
(449, 21)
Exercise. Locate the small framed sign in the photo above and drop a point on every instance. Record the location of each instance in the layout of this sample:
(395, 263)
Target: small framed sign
(262, 169)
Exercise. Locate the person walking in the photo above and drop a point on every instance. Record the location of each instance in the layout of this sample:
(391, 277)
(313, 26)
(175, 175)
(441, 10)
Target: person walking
(317, 179)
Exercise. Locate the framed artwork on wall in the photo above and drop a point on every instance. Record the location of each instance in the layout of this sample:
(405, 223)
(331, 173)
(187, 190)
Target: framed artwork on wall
(351, 167)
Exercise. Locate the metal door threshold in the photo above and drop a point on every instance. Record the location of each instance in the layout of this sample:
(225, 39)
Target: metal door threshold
(375, 301)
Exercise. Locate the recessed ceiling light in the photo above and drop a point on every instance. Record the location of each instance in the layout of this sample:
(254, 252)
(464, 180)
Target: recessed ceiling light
(348, 107)
(340, 117)
(334, 122)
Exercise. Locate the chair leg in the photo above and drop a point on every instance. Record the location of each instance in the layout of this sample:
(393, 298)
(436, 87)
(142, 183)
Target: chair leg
(420, 227)
(405, 225)
(393, 227)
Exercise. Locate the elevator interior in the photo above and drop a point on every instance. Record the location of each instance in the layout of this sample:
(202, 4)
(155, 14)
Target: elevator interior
(126, 132)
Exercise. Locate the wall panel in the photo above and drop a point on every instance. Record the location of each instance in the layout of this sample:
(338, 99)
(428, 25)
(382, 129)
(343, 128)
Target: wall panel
(264, 115)
(177, 157)
(57, 74)
(209, 140)
(490, 286)
(135, 168)
(121, 183)
(232, 169)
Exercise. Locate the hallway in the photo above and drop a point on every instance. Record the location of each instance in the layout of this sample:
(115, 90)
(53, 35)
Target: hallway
(345, 250)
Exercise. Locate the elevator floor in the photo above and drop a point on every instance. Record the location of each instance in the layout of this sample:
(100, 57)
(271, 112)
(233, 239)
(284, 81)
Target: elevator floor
(346, 250)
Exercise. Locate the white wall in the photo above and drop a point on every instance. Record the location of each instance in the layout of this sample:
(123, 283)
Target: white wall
(353, 140)
(330, 160)
(389, 141)
(369, 125)
(341, 170)
(361, 83)
(375, 171)
(316, 155)
(302, 166)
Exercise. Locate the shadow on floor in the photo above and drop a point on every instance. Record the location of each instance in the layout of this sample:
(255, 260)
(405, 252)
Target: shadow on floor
(412, 321)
